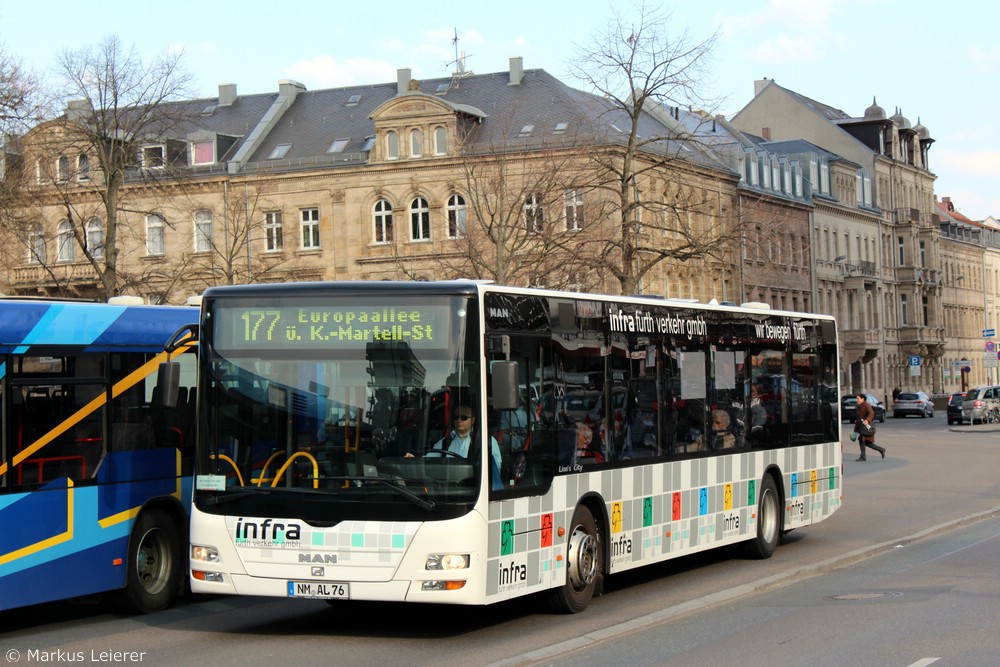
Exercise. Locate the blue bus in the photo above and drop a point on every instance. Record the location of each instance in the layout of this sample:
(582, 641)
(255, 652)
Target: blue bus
(95, 472)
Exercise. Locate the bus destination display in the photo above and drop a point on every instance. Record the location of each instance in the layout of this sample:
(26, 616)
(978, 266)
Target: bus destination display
(340, 326)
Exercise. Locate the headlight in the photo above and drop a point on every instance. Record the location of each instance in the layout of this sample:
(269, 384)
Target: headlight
(204, 554)
(447, 562)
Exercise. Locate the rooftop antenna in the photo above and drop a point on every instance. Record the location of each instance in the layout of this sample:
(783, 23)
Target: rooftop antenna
(459, 62)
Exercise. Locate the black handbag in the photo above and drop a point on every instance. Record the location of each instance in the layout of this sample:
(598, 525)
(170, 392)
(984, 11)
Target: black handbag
(866, 429)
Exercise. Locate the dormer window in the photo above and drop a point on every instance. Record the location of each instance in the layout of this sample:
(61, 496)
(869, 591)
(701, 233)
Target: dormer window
(338, 146)
(280, 151)
(352, 101)
(203, 152)
(154, 156)
(560, 128)
(527, 130)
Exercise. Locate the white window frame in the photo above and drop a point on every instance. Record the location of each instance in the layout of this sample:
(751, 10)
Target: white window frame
(382, 221)
(458, 217)
(64, 242)
(194, 152)
(533, 212)
(440, 141)
(416, 143)
(391, 145)
(202, 231)
(420, 219)
(574, 209)
(36, 244)
(274, 235)
(155, 235)
(95, 238)
(149, 160)
(309, 226)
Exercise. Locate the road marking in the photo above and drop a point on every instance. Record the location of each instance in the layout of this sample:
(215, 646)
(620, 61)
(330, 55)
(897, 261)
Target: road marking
(924, 662)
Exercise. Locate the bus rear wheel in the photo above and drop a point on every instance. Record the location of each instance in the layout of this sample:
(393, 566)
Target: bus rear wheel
(768, 521)
(154, 564)
(583, 565)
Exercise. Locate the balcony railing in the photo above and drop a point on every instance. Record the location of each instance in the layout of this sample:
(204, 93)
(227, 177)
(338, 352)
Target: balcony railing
(869, 338)
(34, 275)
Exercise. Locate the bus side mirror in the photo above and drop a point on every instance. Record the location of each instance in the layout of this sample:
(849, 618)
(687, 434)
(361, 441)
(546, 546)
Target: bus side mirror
(168, 381)
(504, 378)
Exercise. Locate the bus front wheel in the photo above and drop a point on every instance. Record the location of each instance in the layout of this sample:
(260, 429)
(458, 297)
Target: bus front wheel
(583, 564)
(154, 563)
(769, 521)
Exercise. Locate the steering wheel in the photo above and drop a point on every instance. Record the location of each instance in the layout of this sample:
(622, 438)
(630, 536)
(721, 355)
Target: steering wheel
(446, 452)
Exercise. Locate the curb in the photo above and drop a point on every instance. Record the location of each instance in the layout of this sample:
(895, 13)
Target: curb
(767, 584)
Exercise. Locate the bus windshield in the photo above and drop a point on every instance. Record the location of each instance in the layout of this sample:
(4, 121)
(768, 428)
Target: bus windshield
(340, 402)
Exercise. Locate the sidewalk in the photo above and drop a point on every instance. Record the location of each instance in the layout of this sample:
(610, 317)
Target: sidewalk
(975, 428)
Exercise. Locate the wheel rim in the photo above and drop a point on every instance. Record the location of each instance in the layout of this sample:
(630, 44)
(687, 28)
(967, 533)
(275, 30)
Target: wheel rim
(152, 562)
(768, 516)
(582, 558)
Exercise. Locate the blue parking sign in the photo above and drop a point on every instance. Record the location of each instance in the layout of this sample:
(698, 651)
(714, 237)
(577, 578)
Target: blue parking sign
(914, 360)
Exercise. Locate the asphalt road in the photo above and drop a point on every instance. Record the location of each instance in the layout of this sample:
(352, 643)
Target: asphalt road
(934, 480)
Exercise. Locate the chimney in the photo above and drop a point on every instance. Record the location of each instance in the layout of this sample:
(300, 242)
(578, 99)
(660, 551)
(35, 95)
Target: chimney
(78, 111)
(290, 89)
(227, 94)
(516, 70)
(766, 133)
(759, 85)
(402, 81)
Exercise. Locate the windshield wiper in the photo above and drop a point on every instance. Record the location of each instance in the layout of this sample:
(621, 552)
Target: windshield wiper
(235, 494)
(392, 485)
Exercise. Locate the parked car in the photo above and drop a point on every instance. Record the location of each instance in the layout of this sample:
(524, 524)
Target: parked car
(978, 401)
(955, 408)
(849, 408)
(912, 403)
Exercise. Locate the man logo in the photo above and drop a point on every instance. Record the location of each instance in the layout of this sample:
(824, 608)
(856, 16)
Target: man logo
(317, 558)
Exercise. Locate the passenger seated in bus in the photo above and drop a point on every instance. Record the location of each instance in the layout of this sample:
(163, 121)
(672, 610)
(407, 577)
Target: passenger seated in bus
(459, 441)
(722, 433)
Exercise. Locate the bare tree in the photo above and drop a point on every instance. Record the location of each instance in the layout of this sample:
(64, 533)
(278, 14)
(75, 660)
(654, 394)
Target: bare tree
(507, 225)
(22, 100)
(113, 149)
(228, 250)
(659, 202)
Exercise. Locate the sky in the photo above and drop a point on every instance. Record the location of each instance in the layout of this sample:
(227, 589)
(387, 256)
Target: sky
(938, 63)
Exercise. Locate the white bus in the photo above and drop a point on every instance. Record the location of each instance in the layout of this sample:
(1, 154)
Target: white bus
(608, 433)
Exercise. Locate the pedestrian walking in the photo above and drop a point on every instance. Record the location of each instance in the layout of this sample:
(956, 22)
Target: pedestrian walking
(866, 419)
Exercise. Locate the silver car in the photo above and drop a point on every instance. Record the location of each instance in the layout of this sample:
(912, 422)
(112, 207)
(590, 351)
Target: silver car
(912, 403)
(978, 401)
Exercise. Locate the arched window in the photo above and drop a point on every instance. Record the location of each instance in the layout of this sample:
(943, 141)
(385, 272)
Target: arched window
(420, 220)
(391, 146)
(63, 168)
(83, 167)
(36, 244)
(456, 216)
(416, 143)
(440, 141)
(95, 238)
(382, 217)
(64, 235)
